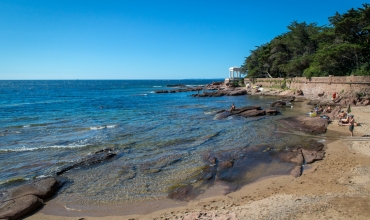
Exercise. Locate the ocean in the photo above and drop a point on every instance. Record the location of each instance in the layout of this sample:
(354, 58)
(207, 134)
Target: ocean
(161, 139)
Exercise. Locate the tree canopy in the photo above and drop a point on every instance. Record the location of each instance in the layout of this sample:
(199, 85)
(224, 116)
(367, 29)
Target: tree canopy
(340, 49)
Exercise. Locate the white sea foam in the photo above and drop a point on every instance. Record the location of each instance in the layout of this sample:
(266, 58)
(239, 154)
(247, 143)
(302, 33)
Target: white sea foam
(26, 126)
(97, 128)
(71, 209)
(102, 127)
(24, 148)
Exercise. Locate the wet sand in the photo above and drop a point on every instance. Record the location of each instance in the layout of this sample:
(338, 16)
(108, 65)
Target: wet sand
(337, 187)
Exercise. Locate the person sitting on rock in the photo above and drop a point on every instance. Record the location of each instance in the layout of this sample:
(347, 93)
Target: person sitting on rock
(342, 115)
(316, 109)
(320, 109)
(232, 107)
(344, 120)
(327, 109)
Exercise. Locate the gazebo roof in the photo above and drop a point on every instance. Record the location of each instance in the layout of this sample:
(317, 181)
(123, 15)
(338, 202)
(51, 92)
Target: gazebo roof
(234, 68)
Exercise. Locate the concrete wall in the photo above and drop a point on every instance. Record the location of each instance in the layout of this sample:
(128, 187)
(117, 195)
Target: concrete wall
(315, 85)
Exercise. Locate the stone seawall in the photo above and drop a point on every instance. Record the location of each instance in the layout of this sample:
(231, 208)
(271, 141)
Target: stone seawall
(317, 85)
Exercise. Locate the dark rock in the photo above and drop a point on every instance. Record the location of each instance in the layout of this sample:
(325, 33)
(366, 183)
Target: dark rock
(225, 164)
(161, 91)
(21, 200)
(43, 188)
(19, 207)
(182, 193)
(313, 125)
(160, 163)
(278, 104)
(271, 111)
(176, 85)
(311, 156)
(253, 113)
(312, 145)
(219, 93)
(217, 83)
(297, 171)
(293, 156)
(246, 108)
(97, 157)
(223, 115)
(288, 99)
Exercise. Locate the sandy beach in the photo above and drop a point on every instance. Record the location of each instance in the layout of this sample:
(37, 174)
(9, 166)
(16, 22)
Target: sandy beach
(337, 187)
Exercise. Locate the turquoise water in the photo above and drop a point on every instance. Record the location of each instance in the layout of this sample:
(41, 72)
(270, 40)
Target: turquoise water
(48, 124)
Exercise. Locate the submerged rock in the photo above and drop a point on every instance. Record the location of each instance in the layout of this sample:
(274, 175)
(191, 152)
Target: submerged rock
(278, 104)
(19, 201)
(97, 157)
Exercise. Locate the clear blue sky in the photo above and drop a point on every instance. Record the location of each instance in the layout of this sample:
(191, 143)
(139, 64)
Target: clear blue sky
(136, 39)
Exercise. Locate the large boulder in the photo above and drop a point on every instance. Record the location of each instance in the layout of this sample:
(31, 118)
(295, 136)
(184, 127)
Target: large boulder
(43, 189)
(19, 201)
(223, 114)
(311, 156)
(246, 108)
(313, 125)
(246, 111)
(19, 207)
(253, 113)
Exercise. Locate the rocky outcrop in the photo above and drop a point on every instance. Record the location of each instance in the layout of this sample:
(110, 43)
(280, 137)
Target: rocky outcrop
(293, 156)
(229, 165)
(278, 104)
(253, 113)
(271, 111)
(19, 201)
(229, 92)
(312, 125)
(95, 158)
(182, 89)
(311, 156)
(247, 111)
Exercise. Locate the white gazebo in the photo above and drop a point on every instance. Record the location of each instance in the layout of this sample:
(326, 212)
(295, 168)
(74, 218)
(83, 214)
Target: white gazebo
(234, 73)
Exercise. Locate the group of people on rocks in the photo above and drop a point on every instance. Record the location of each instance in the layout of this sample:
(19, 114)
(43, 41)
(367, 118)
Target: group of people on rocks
(344, 118)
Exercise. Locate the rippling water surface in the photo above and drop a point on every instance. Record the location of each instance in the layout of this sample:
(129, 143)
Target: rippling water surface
(161, 139)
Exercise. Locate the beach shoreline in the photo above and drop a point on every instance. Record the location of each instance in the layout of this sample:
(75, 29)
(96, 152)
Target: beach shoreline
(328, 188)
